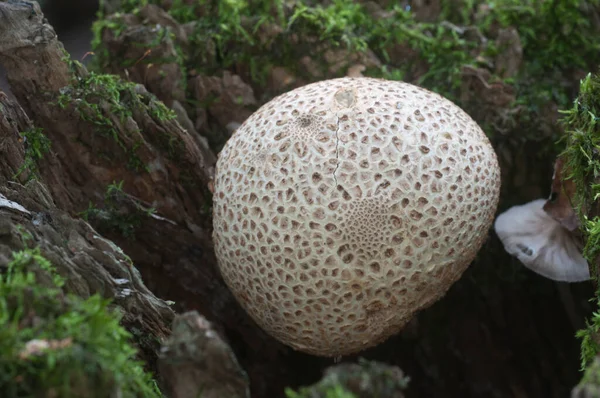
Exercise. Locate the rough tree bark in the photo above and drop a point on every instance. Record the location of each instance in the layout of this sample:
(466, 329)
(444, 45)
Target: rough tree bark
(499, 332)
(172, 248)
(195, 361)
(191, 358)
(89, 262)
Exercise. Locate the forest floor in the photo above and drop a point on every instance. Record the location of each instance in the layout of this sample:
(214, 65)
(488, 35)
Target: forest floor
(512, 65)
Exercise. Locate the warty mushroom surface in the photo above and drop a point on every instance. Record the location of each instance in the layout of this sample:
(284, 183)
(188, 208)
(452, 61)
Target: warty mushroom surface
(343, 207)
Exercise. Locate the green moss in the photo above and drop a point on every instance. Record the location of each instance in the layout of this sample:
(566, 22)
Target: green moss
(590, 382)
(250, 38)
(555, 34)
(328, 392)
(125, 6)
(351, 380)
(101, 54)
(89, 95)
(557, 37)
(582, 156)
(119, 212)
(228, 30)
(582, 146)
(589, 340)
(36, 145)
(59, 344)
(106, 101)
(116, 24)
(344, 23)
(183, 12)
(237, 28)
(441, 47)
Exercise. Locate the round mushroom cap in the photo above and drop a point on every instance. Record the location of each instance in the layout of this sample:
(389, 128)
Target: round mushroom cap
(343, 207)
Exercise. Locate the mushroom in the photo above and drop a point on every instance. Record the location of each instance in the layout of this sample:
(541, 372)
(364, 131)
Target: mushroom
(543, 234)
(343, 207)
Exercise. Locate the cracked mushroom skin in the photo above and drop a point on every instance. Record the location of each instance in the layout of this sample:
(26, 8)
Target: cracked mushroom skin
(343, 207)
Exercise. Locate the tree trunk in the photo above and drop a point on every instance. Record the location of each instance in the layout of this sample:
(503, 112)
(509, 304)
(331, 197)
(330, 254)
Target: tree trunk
(160, 166)
(89, 262)
(123, 161)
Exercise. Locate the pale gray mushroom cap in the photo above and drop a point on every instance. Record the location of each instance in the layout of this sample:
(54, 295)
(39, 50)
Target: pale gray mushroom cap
(343, 207)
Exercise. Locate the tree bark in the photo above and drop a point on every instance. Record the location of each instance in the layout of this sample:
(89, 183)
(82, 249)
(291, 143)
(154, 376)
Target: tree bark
(499, 332)
(172, 247)
(89, 262)
(195, 361)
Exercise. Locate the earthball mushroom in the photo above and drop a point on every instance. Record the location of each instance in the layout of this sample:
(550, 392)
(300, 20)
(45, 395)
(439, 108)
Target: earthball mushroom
(343, 207)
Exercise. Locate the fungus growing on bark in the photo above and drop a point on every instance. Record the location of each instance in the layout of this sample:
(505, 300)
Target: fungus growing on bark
(343, 207)
(543, 234)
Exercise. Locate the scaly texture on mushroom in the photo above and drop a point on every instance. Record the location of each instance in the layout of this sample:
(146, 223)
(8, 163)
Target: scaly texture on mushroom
(343, 207)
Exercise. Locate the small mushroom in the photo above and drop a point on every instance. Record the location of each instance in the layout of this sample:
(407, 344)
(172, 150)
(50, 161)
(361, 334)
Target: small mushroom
(543, 234)
(343, 207)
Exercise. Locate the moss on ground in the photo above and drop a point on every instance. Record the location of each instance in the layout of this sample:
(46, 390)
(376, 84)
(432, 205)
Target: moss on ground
(57, 344)
(558, 37)
(237, 35)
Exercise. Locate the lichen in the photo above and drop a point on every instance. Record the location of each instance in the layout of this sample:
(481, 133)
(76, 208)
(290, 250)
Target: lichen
(54, 343)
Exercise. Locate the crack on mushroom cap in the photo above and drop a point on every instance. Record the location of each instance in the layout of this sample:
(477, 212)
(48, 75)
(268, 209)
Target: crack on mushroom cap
(337, 150)
(344, 98)
(343, 207)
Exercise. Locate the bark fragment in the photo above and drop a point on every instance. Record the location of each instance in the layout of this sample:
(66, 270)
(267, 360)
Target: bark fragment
(365, 379)
(146, 53)
(196, 361)
(89, 262)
